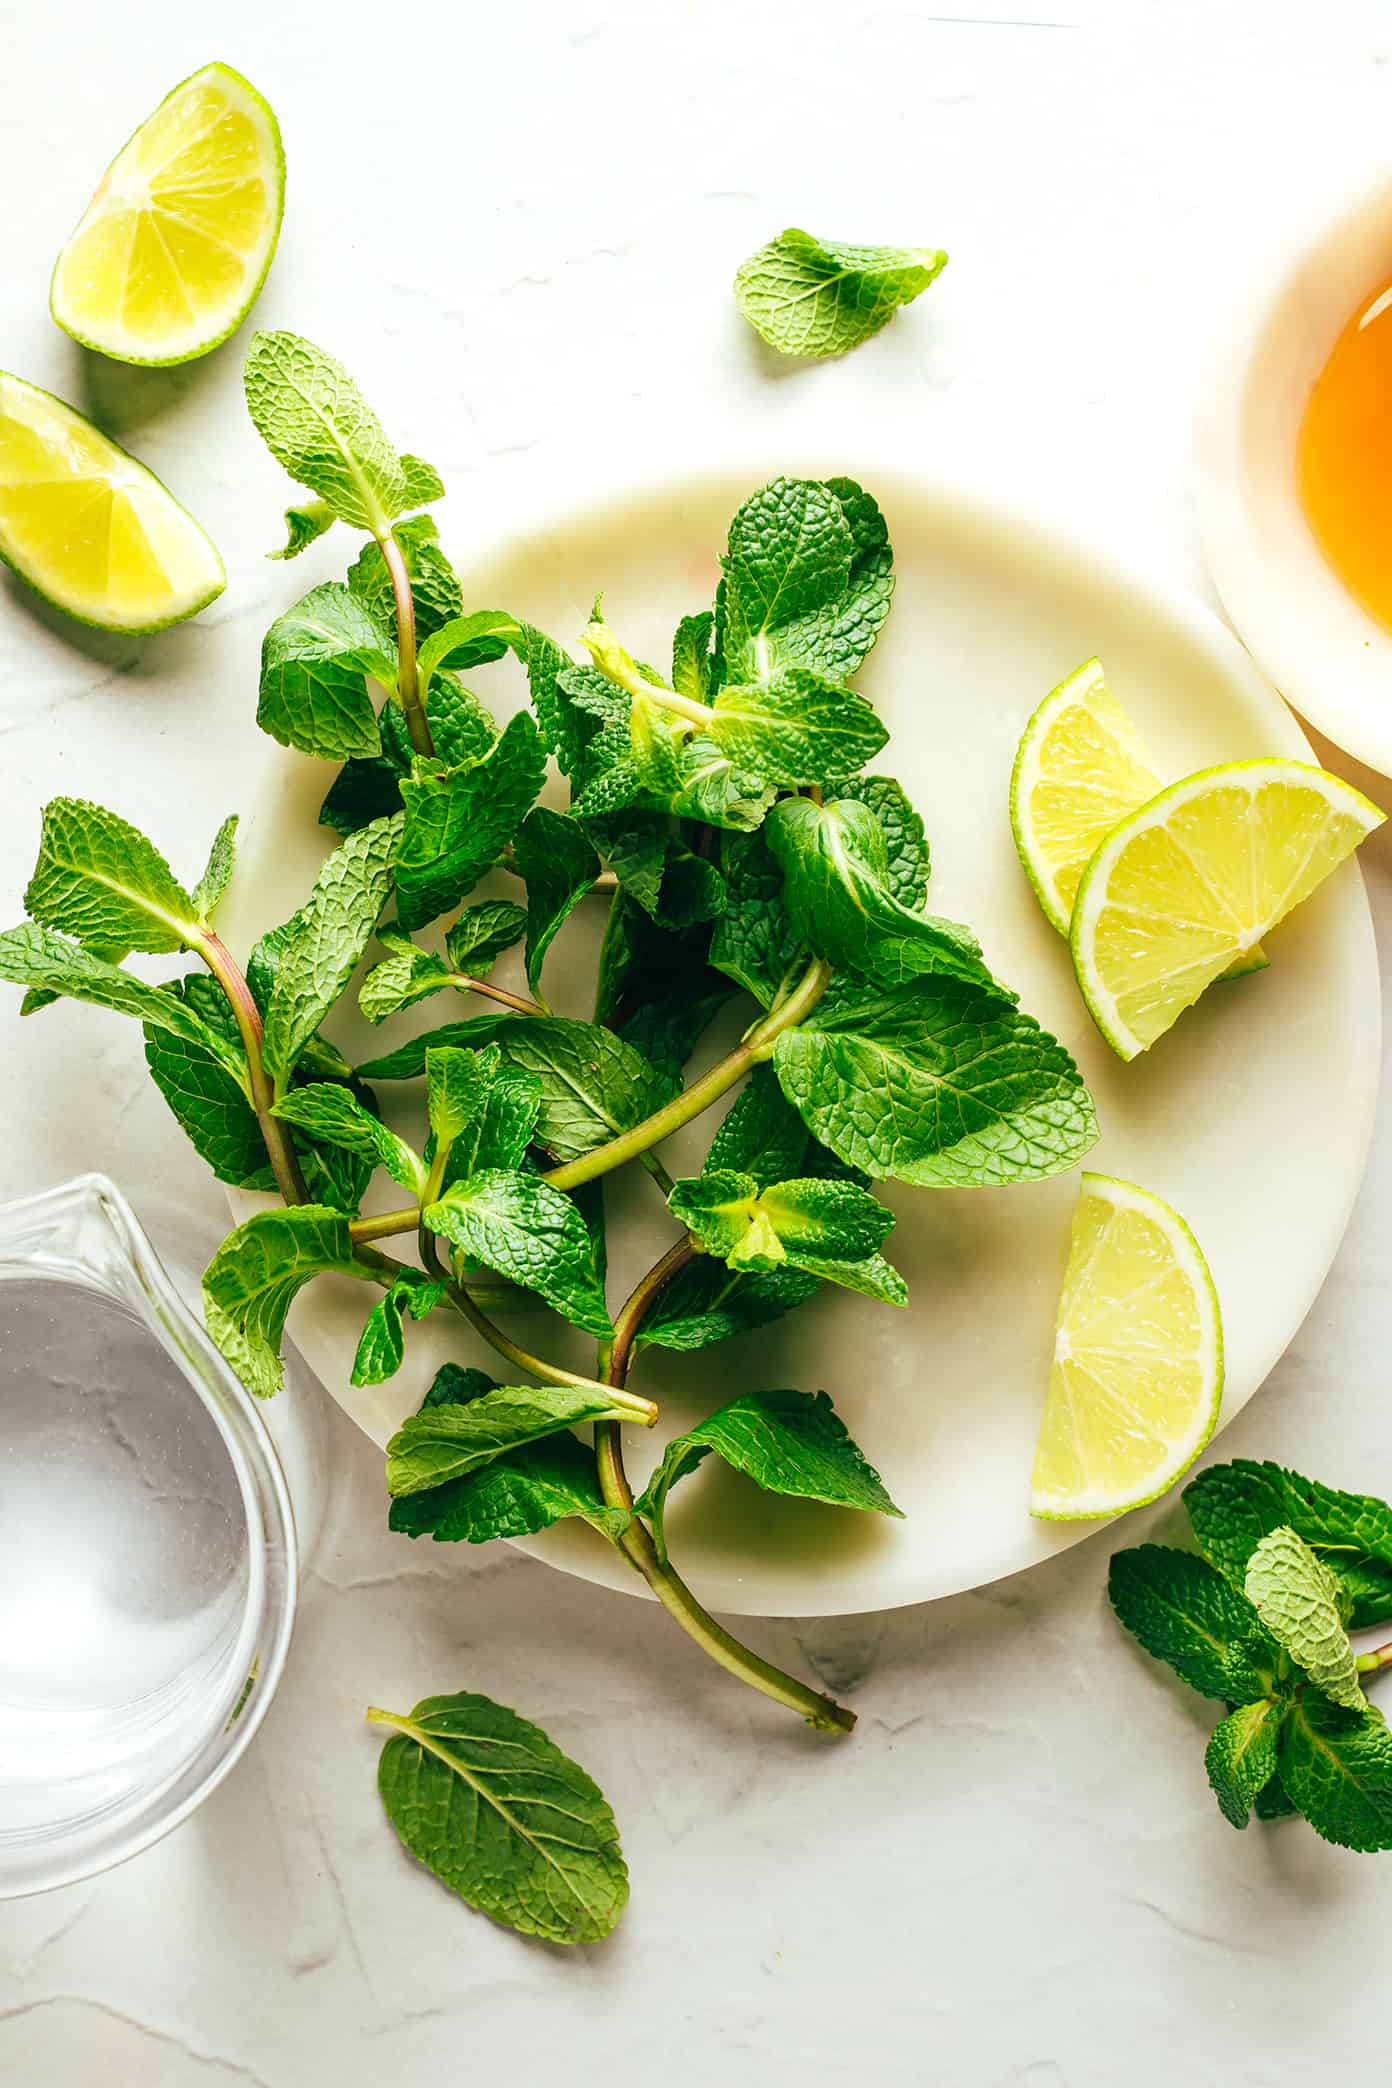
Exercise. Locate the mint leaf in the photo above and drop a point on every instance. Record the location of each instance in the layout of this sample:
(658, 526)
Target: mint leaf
(304, 525)
(381, 1346)
(706, 1302)
(458, 822)
(1298, 1599)
(328, 1111)
(667, 1030)
(566, 734)
(523, 1491)
(499, 1133)
(761, 1135)
(1271, 1802)
(456, 1086)
(816, 297)
(99, 880)
(482, 933)
(559, 866)
(796, 727)
(407, 1061)
(691, 657)
(729, 1214)
(754, 941)
(808, 576)
(835, 863)
(435, 590)
(466, 641)
(937, 1084)
(252, 1280)
(521, 1226)
(447, 1442)
(873, 1277)
(593, 1084)
(320, 429)
(1336, 1767)
(408, 974)
(1241, 1758)
(221, 860)
(484, 1800)
(35, 957)
(1183, 1612)
(908, 862)
(454, 1385)
(422, 482)
(314, 663)
(712, 787)
(786, 1442)
(1233, 1506)
(209, 1102)
(324, 941)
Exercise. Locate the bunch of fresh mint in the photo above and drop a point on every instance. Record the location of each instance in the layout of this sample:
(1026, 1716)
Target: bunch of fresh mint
(721, 812)
(1261, 1622)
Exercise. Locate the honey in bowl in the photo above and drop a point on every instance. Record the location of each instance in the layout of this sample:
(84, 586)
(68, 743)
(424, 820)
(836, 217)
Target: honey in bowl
(1345, 457)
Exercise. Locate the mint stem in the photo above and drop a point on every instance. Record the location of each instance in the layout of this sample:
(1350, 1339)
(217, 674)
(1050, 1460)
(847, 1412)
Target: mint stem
(407, 685)
(279, 1145)
(1380, 1657)
(467, 983)
(636, 1544)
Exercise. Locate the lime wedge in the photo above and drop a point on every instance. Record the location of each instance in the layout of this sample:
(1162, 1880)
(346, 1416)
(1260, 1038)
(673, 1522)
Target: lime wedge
(91, 530)
(1080, 768)
(1195, 879)
(1137, 1375)
(176, 241)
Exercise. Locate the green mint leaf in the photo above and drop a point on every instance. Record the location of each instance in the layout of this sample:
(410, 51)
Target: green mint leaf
(484, 1800)
(1298, 1599)
(454, 1384)
(796, 727)
(208, 1101)
(666, 1031)
(565, 731)
(461, 726)
(816, 297)
(320, 429)
(304, 525)
(435, 589)
(369, 789)
(498, 1135)
(873, 1277)
(456, 1087)
(835, 864)
(466, 641)
(99, 880)
(908, 862)
(325, 939)
(523, 1491)
(407, 1061)
(728, 1214)
(1335, 1766)
(458, 822)
(1233, 1506)
(1183, 1612)
(422, 482)
(706, 1302)
(714, 789)
(482, 933)
(447, 1442)
(1241, 1758)
(754, 941)
(35, 957)
(361, 792)
(333, 1176)
(382, 1346)
(330, 1113)
(559, 866)
(1251, 1668)
(761, 1135)
(593, 1084)
(1271, 1802)
(252, 1280)
(215, 879)
(314, 663)
(936, 1084)
(786, 1442)
(691, 657)
(808, 577)
(409, 974)
(521, 1226)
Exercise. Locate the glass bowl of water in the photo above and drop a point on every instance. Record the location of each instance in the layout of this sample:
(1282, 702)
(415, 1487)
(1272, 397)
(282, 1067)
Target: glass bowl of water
(148, 1561)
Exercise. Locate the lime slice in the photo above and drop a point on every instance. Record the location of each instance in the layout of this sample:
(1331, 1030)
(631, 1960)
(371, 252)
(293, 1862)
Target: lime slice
(1137, 1375)
(1080, 768)
(89, 528)
(1194, 880)
(176, 241)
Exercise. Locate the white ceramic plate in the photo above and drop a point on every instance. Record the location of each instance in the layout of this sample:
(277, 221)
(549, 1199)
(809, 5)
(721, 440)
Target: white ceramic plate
(1253, 1116)
(1326, 654)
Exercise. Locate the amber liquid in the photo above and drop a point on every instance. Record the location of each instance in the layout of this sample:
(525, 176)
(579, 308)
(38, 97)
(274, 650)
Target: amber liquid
(1345, 457)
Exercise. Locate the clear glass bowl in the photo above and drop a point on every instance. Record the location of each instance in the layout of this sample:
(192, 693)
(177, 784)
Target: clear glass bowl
(148, 1558)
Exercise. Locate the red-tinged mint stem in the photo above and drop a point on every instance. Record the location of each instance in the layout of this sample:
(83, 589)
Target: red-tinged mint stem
(279, 1145)
(407, 685)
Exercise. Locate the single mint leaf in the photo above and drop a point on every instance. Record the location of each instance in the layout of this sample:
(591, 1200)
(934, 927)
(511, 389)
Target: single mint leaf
(808, 576)
(1233, 1506)
(361, 792)
(908, 862)
(1271, 1802)
(422, 482)
(381, 1346)
(435, 590)
(482, 933)
(937, 1084)
(314, 663)
(815, 297)
(252, 1280)
(787, 1442)
(408, 974)
(872, 1277)
(330, 1113)
(1298, 1599)
(303, 526)
(559, 866)
(523, 1491)
(407, 1061)
(691, 657)
(466, 641)
(1335, 1766)
(1251, 1668)
(754, 941)
(522, 1227)
(565, 732)
(333, 1176)
(208, 1100)
(796, 727)
(713, 788)
(1241, 1758)
(499, 1132)
(1183, 1612)
(761, 1135)
(458, 823)
(456, 1087)
(324, 940)
(484, 1800)
(37, 958)
(99, 880)
(593, 1084)
(320, 429)
(446, 1442)
(835, 864)
(215, 879)
(667, 1030)
(706, 1302)
(455, 1384)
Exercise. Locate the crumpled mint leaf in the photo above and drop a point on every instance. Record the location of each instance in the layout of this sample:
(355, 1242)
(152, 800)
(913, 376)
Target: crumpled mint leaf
(1241, 1758)
(1335, 1765)
(320, 947)
(36, 957)
(328, 1111)
(816, 297)
(314, 663)
(318, 426)
(522, 1227)
(222, 857)
(100, 881)
(691, 656)
(786, 1442)
(559, 865)
(457, 823)
(484, 1800)
(1183, 1612)
(1233, 1506)
(304, 525)
(1297, 1598)
(521, 1492)
(253, 1279)
(447, 1442)
(382, 1345)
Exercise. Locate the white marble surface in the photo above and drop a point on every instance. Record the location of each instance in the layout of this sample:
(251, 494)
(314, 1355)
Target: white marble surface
(518, 227)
